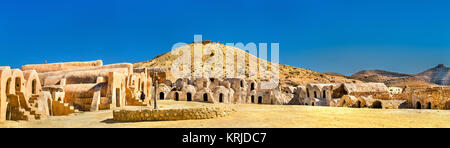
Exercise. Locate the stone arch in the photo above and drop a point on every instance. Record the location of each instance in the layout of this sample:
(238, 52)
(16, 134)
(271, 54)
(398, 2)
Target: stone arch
(377, 104)
(204, 95)
(260, 100)
(429, 105)
(418, 105)
(5, 78)
(187, 93)
(32, 84)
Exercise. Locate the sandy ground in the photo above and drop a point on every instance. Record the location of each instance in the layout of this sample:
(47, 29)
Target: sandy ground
(259, 116)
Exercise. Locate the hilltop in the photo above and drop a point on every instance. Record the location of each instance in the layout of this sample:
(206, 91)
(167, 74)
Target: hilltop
(289, 75)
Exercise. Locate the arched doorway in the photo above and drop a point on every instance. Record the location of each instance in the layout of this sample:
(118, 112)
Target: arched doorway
(253, 99)
(377, 104)
(429, 105)
(205, 97)
(358, 104)
(177, 96)
(161, 96)
(315, 94)
(33, 87)
(252, 86)
(260, 100)
(242, 83)
(220, 97)
(313, 104)
(189, 97)
(418, 105)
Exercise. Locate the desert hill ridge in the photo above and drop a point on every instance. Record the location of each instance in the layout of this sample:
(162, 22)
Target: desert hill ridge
(289, 75)
(439, 75)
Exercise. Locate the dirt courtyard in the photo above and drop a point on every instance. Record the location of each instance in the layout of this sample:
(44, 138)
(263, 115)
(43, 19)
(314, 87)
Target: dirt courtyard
(257, 116)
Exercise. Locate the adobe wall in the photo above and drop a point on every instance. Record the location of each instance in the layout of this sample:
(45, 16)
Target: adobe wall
(41, 68)
(170, 114)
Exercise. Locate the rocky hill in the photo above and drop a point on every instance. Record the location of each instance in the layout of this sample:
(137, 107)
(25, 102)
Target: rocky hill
(289, 75)
(437, 75)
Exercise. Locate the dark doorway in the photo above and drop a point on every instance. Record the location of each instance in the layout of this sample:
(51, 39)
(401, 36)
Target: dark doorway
(242, 83)
(307, 92)
(177, 96)
(418, 105)
(221, 97)
(253, 99)
(312, 104)
(252, 86)
(189, 97)
(377, 104)
(161, 96)
(205, 97)
(324, 94)
(429, 105)
(315, 94)
(33, 87)
(259, 100)
(358, 104)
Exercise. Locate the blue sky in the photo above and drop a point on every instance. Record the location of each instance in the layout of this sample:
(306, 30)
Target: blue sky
(342, 36)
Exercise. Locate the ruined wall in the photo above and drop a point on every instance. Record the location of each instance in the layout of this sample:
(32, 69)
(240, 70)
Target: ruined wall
(42, 68)
(431, 98)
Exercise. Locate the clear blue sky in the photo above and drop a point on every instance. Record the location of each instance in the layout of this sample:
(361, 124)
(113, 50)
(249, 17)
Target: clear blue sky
(342, 36)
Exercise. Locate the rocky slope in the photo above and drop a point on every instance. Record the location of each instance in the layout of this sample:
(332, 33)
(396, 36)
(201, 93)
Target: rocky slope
(289, 75)
(436, 76)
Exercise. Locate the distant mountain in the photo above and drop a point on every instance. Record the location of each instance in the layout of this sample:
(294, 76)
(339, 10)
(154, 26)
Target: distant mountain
(437, 75)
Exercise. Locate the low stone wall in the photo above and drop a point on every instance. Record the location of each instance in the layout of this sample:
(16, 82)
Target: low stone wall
(170, 114)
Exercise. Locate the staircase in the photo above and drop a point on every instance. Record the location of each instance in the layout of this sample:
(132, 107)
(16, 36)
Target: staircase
(29, 108)
(134, 101)
(16, 111)
(60, 108)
